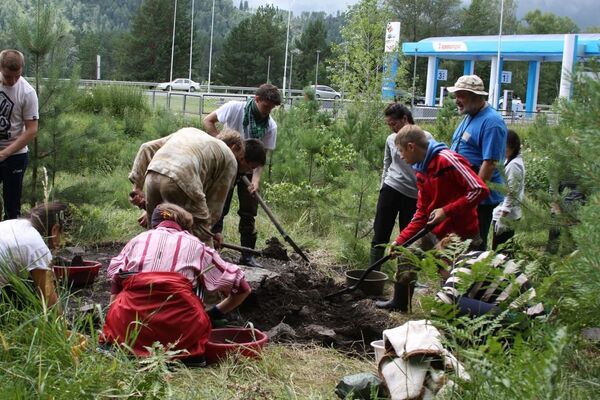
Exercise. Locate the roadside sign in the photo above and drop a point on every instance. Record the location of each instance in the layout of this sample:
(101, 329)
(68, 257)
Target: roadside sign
(442, 75)
(392, 37)
(506, 77)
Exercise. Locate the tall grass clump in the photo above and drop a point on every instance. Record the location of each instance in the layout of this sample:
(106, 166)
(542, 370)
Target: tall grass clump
(112, 100)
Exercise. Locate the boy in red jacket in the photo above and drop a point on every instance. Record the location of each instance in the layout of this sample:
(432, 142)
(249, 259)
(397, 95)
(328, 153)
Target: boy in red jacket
(449, 192)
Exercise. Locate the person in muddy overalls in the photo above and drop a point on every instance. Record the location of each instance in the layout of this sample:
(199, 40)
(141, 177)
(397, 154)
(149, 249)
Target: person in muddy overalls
(194, 170)
(449, 192)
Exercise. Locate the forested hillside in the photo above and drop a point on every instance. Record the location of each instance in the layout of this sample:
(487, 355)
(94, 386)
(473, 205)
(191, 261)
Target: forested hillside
(133, 37)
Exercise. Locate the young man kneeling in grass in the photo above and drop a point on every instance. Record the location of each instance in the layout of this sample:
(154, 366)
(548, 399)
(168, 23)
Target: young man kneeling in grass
(448, 194)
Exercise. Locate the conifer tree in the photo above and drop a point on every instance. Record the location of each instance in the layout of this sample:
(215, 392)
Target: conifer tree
(244, 58)
(313, 38)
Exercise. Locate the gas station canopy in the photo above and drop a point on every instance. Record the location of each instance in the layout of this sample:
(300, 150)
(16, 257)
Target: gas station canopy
(534, 49)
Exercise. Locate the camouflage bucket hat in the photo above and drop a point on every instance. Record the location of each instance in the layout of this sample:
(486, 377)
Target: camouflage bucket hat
(470, 83)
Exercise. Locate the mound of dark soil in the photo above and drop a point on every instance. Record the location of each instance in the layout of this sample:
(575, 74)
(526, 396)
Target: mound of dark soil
(293, 303)
(296, 298)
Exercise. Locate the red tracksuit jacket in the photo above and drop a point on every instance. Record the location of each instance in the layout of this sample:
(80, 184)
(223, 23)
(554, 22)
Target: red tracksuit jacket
(451, 184)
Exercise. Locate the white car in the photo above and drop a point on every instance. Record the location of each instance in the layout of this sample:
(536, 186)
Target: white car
(179, 84)
(325, 92)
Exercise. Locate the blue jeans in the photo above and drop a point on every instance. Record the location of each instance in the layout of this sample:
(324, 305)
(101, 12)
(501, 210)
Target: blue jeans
(12, 171)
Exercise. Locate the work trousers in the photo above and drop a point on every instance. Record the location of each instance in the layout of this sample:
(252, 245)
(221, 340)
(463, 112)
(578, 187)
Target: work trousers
(484, 215)
(391, 205)
(12, 171)
(248, 209)
(160, 188)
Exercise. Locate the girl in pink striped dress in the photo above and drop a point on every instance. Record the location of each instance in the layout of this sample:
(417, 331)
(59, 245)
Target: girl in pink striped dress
(152, 287)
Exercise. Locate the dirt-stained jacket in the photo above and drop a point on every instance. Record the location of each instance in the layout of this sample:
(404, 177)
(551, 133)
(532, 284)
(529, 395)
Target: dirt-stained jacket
(201, 165)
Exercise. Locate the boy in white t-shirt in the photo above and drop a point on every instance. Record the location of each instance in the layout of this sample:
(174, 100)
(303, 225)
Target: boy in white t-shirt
(252, 120)
(18, 127)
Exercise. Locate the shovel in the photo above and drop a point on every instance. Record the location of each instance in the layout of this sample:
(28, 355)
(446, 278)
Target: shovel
(379, 262)
(267, 253)
(242, 249)
(275, 222)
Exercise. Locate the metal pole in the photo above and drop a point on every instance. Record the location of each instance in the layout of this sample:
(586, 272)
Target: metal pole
(412, 100)
(344, 76)
(498, 64)
(191, 43)
(291, 69)
(344, 80)
(317, 70)
(287, 39)
(173, 45)
(268, 68)
(212, 29)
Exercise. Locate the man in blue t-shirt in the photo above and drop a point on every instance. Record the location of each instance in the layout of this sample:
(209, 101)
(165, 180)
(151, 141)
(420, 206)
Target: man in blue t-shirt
(481, 139)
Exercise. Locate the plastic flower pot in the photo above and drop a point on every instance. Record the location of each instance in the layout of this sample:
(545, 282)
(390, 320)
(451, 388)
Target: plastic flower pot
(240, 341)
(379, 349)
(78, 275)
(373, 283)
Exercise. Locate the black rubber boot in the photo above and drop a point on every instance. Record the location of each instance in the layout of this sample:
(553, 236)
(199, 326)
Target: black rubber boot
(376, 254)
(401, 300)
(248, 258)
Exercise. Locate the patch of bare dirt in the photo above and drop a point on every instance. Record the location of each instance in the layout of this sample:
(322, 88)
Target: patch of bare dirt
(290, 305)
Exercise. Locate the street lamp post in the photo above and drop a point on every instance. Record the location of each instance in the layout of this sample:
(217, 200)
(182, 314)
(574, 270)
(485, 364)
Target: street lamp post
(173, 44)
(317, 70)
(191, 43)
(287, 39)
(291, 69)
(212, 29)
(496, 87)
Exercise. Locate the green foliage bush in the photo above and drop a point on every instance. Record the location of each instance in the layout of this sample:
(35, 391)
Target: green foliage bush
(111, 99)
(446, 121)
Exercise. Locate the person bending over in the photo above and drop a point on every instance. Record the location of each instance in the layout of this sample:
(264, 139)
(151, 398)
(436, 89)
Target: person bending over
(25, 245)
(449, 192)
(153, 284)
(194, 170)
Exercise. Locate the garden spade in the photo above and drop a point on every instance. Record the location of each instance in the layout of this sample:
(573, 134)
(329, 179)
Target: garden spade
(379, 262)
(275, 222)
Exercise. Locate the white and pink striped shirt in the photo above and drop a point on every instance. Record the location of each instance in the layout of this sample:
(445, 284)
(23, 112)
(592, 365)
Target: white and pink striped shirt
(169, 249)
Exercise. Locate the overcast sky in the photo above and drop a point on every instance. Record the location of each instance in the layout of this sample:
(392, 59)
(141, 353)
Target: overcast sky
(583, 12)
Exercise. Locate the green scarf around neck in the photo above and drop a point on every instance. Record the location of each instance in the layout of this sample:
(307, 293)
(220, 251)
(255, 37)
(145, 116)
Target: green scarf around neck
(254, 124)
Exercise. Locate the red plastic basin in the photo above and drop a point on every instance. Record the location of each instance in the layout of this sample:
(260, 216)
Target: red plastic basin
(78, 275)
(242, 341)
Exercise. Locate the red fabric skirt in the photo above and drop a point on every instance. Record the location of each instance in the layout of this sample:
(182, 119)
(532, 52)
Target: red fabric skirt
(158, 307)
